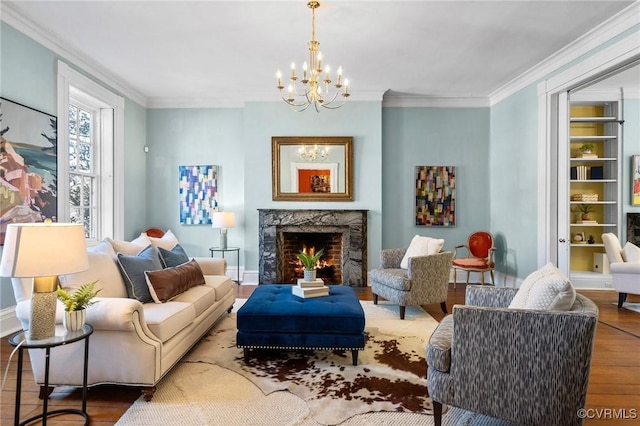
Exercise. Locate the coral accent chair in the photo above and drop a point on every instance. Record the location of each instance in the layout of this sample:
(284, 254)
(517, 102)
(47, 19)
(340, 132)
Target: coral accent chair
(480, 256)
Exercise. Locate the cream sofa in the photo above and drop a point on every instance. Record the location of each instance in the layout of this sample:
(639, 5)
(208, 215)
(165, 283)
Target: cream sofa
(133, 343)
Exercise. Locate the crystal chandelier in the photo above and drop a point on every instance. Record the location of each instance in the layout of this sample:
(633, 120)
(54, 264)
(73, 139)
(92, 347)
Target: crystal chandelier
(313, 153)
(315, 88)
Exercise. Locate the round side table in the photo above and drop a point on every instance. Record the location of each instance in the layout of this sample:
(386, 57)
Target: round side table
(62, 337)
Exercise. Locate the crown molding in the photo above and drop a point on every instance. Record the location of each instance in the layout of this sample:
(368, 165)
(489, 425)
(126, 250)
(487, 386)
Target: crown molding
(168, 103)
(408, 100)
(13, 18)
(604, 32)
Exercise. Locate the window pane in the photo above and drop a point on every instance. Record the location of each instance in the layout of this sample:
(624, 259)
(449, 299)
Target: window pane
(85, 123)
(84, 157)
(73, 154)
(75, 190)
(73, 123)
(86, 191)
(76, 216)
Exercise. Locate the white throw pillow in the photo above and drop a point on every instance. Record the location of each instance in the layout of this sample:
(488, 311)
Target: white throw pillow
(168, 241)
(631, 253)
(421, 246)
(435, 245)
(102, 268)
(130, 248)
(545, 289)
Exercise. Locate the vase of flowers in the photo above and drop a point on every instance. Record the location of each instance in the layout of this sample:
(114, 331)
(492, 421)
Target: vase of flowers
(75, 305)
(310, 260)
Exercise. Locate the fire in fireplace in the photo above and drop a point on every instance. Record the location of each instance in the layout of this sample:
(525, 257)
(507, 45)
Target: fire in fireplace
(328, 268)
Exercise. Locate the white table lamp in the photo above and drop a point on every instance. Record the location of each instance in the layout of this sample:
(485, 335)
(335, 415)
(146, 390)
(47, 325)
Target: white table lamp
(43, 251)
(223, 221)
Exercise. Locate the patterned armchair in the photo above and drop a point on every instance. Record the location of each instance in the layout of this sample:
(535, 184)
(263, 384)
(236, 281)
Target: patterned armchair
(424, 282)
(525, 366)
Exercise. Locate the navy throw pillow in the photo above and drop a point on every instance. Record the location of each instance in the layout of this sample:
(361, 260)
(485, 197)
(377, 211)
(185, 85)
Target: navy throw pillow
(132, 269)
(174, 257)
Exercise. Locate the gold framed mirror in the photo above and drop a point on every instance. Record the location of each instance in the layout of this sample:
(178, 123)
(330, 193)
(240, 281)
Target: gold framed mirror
(312, 168)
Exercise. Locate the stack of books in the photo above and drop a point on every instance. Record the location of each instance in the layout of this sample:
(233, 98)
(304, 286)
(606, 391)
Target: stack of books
(307, 289)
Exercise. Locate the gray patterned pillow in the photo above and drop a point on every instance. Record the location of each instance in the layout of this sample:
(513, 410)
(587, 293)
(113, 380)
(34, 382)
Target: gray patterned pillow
(545, 289)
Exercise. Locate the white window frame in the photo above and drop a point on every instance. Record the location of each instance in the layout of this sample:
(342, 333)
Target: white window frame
(72, 84)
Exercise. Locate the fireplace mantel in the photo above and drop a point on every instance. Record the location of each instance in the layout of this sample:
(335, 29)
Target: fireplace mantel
(351, 223)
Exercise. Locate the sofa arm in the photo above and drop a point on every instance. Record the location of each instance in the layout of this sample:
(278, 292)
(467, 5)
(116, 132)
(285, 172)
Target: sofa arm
(391, 258)
(492, 297)
(536, 360)
(116, 314)
(212, 266)
(108, 313)
(625, 268)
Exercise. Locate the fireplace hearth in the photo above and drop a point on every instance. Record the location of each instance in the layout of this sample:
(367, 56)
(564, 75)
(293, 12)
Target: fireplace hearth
(344, 232)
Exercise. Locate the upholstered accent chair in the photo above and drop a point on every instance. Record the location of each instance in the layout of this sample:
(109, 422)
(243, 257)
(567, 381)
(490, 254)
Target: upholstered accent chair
(479, 250)
(525, 366)
(624, 264)
(425, 281)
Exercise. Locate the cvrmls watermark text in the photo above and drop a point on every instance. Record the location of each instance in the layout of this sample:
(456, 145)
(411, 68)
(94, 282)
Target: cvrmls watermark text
(608, 413)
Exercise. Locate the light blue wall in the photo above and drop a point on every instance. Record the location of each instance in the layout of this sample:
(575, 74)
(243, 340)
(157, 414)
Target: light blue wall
(239, 141)
(28, 76)
(514, 181)
(362, 120)
(181, 137)
(630, 147)
(434, 136)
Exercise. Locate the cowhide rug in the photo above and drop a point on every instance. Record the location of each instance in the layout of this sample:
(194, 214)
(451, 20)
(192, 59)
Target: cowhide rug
(390, 375)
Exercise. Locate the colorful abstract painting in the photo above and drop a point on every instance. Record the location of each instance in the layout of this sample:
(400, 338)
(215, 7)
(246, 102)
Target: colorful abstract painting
(198, 194)
(28, 165)
(435, 190)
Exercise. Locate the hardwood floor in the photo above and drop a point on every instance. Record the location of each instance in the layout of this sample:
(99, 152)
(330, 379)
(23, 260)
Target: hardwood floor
(613, 393)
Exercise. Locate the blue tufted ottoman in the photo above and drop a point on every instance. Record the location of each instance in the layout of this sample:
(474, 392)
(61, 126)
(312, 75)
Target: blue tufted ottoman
(273, 318)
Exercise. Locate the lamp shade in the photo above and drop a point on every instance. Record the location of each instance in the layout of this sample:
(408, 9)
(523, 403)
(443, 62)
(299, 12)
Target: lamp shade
(223, 220)
(43, 249)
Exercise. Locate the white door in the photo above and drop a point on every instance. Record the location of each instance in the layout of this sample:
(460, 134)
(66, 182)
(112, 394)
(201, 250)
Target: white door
(564, 237)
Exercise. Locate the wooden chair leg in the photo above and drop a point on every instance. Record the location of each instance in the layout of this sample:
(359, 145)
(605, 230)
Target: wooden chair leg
(468, 273)
(402, 311)
(492, 280)
(437, 413)
(375, 299)
(455, 277)
(482, 278)
(147, 393)
(443, 305)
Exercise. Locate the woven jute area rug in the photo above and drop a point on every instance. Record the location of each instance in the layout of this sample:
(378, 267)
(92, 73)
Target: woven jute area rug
(212, 385)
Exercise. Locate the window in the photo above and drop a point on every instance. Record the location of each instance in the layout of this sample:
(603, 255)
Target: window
(90, 160)
(83, 170)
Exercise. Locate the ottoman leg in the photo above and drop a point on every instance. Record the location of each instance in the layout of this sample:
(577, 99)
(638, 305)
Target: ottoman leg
(354, 356)
(246, 355)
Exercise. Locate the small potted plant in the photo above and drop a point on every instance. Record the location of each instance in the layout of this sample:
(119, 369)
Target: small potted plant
(584, 210)
(75, 305)
(309, 260)
(586, 148)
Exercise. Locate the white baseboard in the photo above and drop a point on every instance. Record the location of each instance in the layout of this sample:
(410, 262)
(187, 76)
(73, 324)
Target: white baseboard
(9, 323)
(250, 278)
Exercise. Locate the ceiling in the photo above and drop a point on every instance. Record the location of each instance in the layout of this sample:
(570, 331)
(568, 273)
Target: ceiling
(186, 52)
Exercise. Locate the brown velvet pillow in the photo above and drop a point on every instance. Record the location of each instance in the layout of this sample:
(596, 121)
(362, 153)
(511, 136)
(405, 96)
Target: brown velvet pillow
(166, 284)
